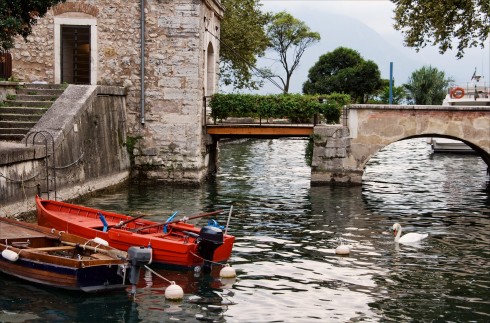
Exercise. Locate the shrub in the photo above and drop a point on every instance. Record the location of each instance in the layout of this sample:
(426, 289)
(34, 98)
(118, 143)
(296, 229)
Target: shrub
(296, 107)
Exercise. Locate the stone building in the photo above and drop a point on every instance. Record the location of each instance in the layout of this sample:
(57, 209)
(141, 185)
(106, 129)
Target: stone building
(99, 42)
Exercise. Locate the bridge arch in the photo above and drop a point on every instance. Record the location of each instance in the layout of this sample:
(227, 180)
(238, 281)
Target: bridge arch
(342, 151)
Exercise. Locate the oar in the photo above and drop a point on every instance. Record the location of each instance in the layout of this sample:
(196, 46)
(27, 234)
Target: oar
(179, 220)
(114, 253)
(126, 222)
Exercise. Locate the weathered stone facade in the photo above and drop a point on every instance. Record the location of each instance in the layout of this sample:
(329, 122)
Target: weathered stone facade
(180, 65)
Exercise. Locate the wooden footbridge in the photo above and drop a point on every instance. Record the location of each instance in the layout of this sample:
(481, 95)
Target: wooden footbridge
(269, 130)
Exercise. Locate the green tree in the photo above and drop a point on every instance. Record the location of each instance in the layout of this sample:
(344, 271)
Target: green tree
(289, 38)
(17, 18)
(243, 39)
(344, 71)
(399, 94)
(439, 22)
(427, 86)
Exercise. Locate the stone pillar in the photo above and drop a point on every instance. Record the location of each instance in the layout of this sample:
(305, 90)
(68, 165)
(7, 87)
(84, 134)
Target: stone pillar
(332, 162)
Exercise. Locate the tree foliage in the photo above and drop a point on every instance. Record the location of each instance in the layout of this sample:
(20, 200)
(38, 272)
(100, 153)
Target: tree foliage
(344, 71)
(243, 39)
(18, 16)
(399, 95)
(289, 38)
(439, 22)
(427, 86)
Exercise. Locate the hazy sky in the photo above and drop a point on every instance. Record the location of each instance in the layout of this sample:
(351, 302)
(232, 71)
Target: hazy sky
(367, 26)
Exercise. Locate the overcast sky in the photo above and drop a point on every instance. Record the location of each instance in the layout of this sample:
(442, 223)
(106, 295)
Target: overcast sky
(367, 26)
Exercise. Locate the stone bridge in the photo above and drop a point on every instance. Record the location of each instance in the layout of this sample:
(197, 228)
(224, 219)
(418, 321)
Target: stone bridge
(341, 152)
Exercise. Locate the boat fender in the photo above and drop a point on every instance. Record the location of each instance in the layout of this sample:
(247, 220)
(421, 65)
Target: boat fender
(457, 92)
(342, 250)
(227, 272)
(174, 292)
(100, 241)
(10, 255)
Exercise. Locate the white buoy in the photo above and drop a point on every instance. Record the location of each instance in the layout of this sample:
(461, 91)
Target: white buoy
(342, 250)
(174, 292)
(228, 282)
(10, 255)
(101, 241)
(227, 272)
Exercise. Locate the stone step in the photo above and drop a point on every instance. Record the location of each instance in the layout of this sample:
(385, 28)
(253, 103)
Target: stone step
(11, 137)
(20, 117)
(23, 110)
(19, 103)
(39, 91)
(43, 86)
(14, 131)
(17, 124)
(20, 112)
(36, 97)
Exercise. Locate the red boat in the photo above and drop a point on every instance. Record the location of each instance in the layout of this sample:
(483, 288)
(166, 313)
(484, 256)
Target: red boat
(174, 243)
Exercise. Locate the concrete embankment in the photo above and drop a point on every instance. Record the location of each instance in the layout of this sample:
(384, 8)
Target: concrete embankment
(78, 146)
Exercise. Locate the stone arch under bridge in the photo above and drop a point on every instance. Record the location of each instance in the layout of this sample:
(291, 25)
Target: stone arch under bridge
(341, 152)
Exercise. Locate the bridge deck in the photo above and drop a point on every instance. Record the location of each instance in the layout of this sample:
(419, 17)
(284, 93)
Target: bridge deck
(260, 131)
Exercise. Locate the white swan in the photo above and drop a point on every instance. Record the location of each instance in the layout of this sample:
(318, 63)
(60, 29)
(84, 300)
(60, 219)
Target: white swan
(409, 237)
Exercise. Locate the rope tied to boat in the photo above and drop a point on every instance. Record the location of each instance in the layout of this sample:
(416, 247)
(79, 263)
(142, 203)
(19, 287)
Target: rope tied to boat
(213, 262)
(157, 274)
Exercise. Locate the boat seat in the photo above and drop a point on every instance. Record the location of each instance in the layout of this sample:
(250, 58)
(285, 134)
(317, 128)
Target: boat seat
(101, 256)
(58, 248)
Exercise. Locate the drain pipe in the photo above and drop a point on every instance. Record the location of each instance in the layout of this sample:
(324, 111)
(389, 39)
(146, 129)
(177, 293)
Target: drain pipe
(142, 62)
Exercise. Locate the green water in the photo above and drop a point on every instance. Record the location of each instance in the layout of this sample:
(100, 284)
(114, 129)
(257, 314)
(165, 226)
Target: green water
(286, 235)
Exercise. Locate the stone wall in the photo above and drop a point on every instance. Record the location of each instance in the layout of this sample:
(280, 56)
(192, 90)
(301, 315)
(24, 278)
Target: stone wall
(330, 161)
(179, 53)
(86, 130)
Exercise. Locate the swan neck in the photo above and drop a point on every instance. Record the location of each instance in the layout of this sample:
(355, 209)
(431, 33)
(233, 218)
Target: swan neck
(398, 233)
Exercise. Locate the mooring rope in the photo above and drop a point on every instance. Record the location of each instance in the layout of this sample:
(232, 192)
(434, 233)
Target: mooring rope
(213, 262)
(157, 274)
(19, 181)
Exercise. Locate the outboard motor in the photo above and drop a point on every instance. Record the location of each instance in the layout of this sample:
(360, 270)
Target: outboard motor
(210, 238)
(137, 257)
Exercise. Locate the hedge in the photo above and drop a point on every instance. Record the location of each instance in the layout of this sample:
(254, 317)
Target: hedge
(296, 107)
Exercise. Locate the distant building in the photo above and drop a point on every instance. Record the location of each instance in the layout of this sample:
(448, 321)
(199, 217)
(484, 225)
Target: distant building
(99, 42)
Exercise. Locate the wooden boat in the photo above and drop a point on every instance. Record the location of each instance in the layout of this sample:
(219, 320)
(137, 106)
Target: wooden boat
(58, 259)
(174, 244)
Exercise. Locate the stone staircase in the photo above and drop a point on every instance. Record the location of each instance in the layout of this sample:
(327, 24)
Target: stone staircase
(20, 112)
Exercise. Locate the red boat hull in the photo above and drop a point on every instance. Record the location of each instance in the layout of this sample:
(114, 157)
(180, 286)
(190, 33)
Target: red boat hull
(174, 248)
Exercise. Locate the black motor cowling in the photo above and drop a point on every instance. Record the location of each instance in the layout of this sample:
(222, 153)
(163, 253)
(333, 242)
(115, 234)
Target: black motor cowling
(210, 238)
